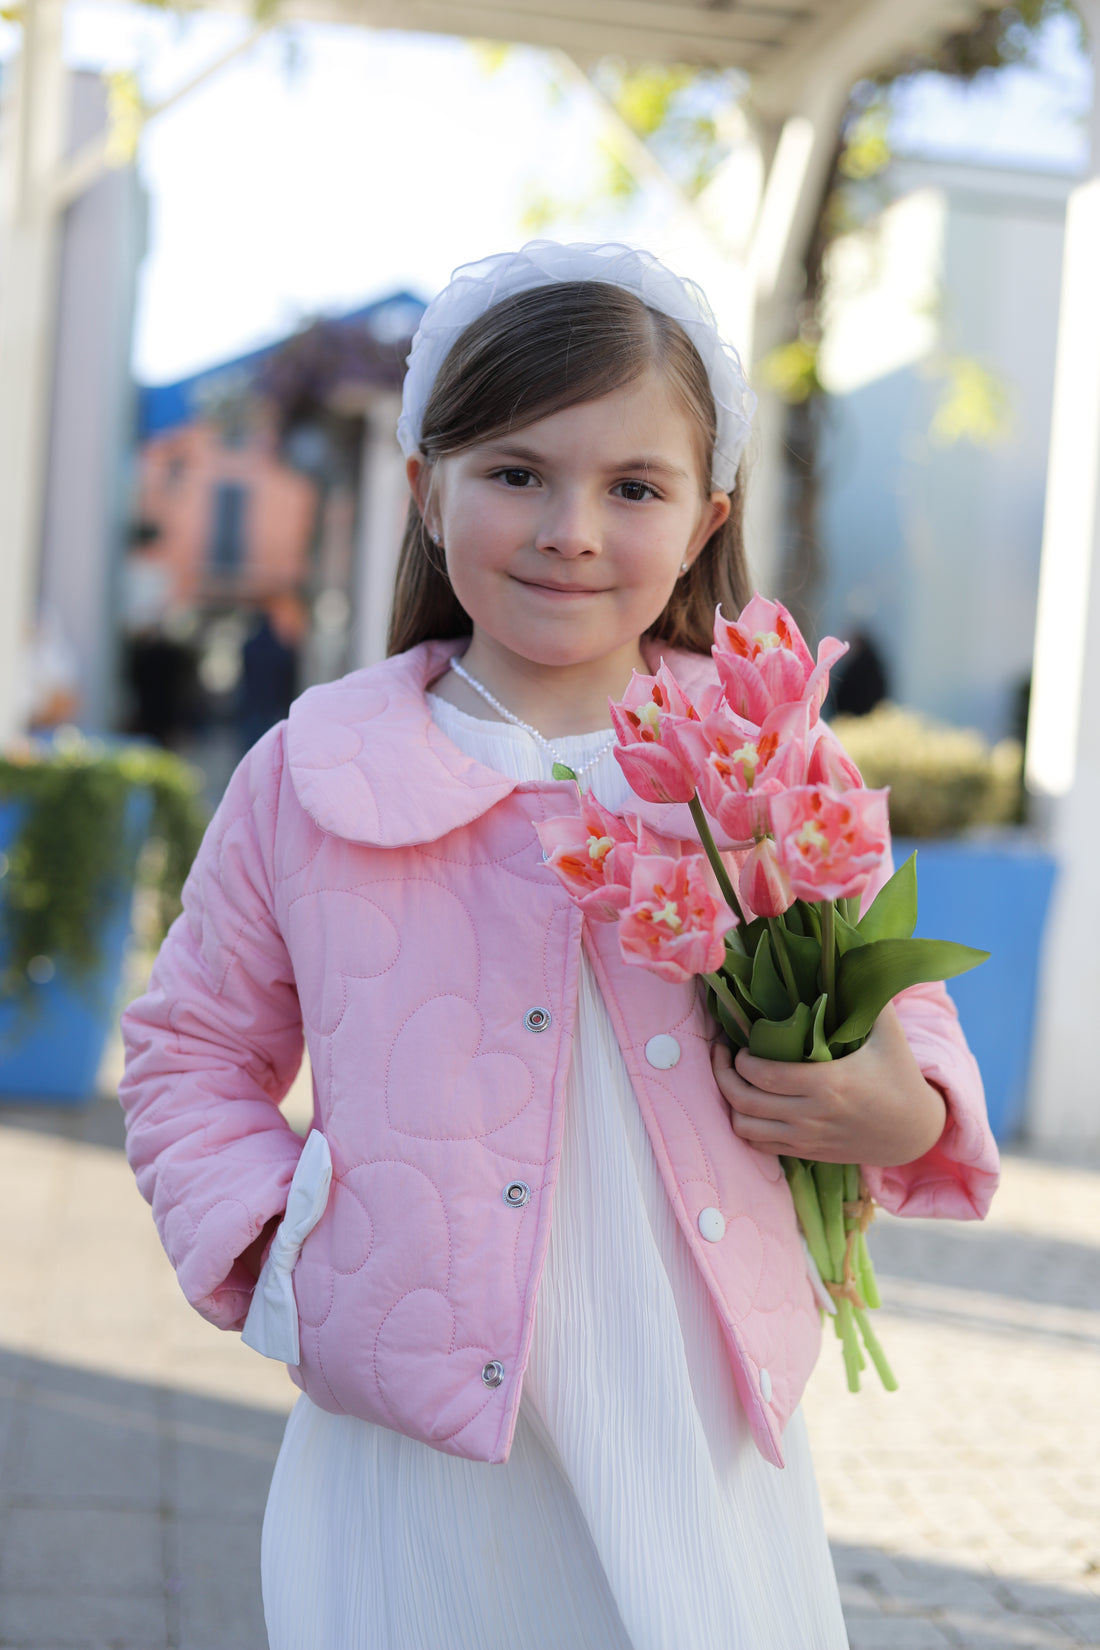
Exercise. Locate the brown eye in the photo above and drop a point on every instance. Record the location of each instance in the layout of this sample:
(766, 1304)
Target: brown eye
(636, 492)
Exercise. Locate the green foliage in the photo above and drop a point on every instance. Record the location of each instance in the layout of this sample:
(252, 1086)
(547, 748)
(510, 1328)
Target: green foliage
(865, 143)
(975, 405)
(1000, 37)
(72, 849)
(942, 779)
(791, 370)
(676, 109)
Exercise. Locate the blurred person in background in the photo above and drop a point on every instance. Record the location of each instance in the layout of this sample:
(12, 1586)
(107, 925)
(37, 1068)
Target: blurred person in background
(860, 681)
(270, 666)
(158, 667)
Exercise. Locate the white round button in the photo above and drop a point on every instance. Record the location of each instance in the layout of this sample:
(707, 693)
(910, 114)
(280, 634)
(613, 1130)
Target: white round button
(712, 1224)
(765, 1386)
(662, 1051)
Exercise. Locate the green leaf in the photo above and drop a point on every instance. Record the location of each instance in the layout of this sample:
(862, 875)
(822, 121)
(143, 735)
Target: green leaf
(735, 941)
(819, 1044)
(805, 954)
(782, 1039)
(809, 916)
(726, 1020)
(847, 937)
(751, 933)
(868, 977)
(737, 965)
(768, 991)
(793, 920)
(893, 912)
(560, 771)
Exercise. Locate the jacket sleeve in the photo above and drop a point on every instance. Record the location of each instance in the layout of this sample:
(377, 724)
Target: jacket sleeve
(958, 1177)
(211, 1049)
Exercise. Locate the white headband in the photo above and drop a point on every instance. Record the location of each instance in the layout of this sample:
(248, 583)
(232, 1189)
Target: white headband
(475, 288)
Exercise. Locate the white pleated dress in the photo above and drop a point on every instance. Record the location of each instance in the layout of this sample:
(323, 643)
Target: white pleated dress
(634, 1512)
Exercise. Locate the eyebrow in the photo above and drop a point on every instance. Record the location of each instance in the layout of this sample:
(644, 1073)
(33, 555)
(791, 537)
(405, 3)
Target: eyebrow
(528, 455)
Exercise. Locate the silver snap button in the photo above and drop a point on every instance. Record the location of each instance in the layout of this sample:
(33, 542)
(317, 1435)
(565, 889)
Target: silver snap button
(516, 1193)
(537, 1019)
(493, 1373)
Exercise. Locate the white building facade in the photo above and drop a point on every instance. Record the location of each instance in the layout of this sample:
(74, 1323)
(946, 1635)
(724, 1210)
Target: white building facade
(939, 350)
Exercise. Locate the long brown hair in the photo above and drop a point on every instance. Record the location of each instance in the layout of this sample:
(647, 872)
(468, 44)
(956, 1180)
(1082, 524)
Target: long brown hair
(533, 355)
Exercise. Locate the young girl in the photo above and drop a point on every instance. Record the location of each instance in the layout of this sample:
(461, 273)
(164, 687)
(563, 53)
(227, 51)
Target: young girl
(536, 1269)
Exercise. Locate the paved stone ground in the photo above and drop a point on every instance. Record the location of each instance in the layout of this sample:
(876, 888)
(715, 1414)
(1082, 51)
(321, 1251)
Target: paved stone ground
(136, 1442)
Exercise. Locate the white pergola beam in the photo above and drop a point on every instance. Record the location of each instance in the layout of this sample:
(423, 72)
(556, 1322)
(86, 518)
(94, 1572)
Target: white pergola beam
(711, 36)
(87, 166)
(856, 38)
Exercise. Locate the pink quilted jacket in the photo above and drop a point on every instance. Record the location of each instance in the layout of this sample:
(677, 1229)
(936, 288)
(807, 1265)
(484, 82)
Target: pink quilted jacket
(365, 880)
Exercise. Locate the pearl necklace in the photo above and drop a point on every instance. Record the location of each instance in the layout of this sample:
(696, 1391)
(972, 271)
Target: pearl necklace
(502, 710)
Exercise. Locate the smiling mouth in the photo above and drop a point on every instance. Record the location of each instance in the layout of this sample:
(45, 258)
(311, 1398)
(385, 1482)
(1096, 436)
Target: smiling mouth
(563, 589)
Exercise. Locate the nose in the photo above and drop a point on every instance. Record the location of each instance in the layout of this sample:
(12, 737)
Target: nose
(569, 525)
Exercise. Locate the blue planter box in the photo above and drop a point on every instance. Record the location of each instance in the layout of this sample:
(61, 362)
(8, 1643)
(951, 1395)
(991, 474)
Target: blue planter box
(52, 1053)
(992, 894)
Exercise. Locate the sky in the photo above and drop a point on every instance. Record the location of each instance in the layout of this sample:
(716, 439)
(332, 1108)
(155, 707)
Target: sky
(329, 166)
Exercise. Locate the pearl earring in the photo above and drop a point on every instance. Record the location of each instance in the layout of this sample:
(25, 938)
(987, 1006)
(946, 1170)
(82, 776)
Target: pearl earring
(683, 567)
(435, 538)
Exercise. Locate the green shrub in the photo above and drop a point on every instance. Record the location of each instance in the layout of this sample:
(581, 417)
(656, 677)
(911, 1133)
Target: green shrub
(72, 847)
(942, 779)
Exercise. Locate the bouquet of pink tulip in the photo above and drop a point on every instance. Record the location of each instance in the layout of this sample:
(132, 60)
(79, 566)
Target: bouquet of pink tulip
(792, 969)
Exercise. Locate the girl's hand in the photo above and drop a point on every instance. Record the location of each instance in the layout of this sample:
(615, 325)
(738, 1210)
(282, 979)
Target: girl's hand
(872, 1106)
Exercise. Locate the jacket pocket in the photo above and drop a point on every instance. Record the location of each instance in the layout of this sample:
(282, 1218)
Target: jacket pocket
(272, 1323)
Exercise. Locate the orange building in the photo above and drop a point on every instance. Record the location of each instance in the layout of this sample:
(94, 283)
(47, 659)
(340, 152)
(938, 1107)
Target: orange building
(248, 474)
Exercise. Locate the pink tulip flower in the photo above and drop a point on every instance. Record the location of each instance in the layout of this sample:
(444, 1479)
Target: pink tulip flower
(829, 841)
(674, 924)
(650, 708)
(763, 661)
(739, 767)
(592, 853)
(764, 884)
(831, 765)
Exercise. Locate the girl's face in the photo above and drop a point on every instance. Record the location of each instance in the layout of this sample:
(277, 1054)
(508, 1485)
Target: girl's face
(564, 539)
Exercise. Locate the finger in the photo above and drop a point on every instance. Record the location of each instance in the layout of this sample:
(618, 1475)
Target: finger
(762, 1133)
(784, 1110)
(778, 1076)
(721, 1056)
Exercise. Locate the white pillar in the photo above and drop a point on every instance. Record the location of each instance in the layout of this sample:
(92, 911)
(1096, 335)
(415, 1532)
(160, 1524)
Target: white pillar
(1063, 756)
(30, 148)
(91, 421)
(383, 501)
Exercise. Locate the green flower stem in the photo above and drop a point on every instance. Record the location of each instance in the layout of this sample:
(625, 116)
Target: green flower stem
(808, 1209)
(853, 1357)
(865, 1273)
(875, 1352)
(729, 1002)
(828, 961)
(711, 848)
(778, 932)
(830, 1187)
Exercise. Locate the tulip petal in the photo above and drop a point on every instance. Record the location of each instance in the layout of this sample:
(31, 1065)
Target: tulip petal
(654, 773)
